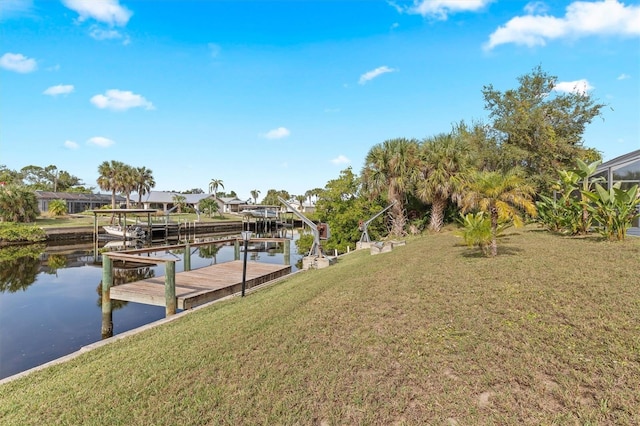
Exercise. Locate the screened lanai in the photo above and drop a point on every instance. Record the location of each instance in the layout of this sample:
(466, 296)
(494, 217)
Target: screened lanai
(626, 170)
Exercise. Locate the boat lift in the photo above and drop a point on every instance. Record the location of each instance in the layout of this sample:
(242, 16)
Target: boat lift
(315, 230)
(364, 226)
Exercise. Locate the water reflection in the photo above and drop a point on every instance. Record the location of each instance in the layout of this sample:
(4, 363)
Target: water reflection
(51, 296)
(19, 266)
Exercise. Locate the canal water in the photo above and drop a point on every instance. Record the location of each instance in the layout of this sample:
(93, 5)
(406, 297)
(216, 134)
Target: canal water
(50, 296)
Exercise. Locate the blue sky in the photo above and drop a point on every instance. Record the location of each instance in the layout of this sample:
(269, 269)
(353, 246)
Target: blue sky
(285, 94)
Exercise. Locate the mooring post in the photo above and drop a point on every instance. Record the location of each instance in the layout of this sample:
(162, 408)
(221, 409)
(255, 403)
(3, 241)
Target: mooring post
(187, 257)
(236, 250)
(287, 251)
(170, 288)
(107, 282)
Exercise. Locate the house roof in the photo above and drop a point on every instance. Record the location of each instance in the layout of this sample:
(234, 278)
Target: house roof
(77, 196)
(620, 161)
(167, 197)
(231, 200)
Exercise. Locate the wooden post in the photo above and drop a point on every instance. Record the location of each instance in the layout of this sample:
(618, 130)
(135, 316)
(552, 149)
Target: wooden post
(170, 288)
(187, 257)
(107, 282)
(236, 250)
(287, 251)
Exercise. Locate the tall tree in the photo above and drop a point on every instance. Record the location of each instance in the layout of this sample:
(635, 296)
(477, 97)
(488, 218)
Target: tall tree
(501, 195)
(301, 199)
(342, 205)
(254, 195)
(144, 182)
(541, 129)
(444, 158)
(392, 168)
(49, 178)
(214, 185)
(271, 199)
(9, 177)
(108, 180)
(127, 182)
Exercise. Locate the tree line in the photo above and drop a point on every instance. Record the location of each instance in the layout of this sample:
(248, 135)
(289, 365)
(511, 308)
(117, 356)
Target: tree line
(482, 174)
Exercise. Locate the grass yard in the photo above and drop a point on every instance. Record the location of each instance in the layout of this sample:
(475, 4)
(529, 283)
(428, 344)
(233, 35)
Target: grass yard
(430, 333)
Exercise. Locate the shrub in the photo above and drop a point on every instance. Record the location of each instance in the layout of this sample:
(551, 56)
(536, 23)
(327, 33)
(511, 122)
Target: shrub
(58, 207)
(18, 204)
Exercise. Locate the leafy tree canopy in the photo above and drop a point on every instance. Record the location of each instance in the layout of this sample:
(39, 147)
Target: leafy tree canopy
(541, 129)
(342, 205)
(271, 199)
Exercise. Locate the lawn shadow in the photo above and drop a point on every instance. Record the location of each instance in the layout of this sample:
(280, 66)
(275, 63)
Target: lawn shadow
(476, 253)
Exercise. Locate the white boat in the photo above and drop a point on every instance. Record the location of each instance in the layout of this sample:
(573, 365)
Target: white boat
(130, 233)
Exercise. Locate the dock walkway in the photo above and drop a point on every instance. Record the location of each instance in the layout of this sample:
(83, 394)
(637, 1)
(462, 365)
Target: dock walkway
(199, 286)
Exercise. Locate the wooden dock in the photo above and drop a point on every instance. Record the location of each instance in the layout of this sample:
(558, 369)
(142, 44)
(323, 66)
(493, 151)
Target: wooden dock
(199, 286)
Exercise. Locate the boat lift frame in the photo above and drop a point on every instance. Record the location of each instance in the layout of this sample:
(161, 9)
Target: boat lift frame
(364, 226)
(315, 247)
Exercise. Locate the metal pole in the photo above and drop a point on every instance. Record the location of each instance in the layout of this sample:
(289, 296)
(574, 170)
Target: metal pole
(244, 267)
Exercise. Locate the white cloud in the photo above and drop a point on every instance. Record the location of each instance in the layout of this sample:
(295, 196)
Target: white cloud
(120, 100)
(579, 86)
(18, 62)
(100, 141)
(441, 9)
(536, 7)
(340, 159)
(106, 11)
(624, 76)
(102, 34)
(70, 144)
(370, 75)
(279, 133)
(60, 89)
(609, 17)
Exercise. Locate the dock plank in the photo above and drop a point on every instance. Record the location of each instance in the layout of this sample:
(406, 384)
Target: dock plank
(202, 285)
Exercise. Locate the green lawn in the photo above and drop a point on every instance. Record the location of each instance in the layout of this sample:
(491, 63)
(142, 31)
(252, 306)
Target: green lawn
(430, 333)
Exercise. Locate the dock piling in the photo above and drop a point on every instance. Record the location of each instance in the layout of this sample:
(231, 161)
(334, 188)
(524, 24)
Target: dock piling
(107, 282)
(170, 288)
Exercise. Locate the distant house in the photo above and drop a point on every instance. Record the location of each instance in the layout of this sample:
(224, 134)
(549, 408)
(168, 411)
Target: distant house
(231, 204)
(76, 202)
(306, 207)
(164, 200)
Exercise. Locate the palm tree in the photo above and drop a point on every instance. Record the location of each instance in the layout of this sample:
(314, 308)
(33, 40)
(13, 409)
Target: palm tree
(214, 185)
(300, 199)
(254, 195)
(444, 157)
(501, 195)
(392, 167)
(180, 201)
(144, 182)
(108, 180)
(127, 182)
(209, 206)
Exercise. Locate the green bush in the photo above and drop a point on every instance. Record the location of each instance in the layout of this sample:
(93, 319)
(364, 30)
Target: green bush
(58, 207)
(18, 204)
(15, 232)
